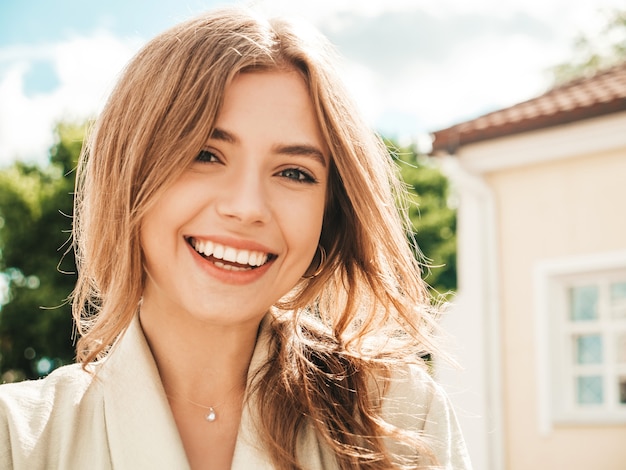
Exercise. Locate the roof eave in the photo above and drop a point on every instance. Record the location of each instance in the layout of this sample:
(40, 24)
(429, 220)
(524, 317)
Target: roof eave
(450, 139)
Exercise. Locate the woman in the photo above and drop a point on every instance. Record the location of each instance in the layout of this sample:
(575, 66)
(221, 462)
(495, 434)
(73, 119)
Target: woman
(246, 294)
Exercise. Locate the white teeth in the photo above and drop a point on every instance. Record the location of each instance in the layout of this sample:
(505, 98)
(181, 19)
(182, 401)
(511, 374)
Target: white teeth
(230, 254)
(230, 267)
(218, 252)
(243, 257)
(252, 259)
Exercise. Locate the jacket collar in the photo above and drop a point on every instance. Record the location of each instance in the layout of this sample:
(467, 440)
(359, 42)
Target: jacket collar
(140, 426)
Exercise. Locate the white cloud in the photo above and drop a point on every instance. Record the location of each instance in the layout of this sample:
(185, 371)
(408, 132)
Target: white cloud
(86, 69)
(445, 71)
(477, 55)
(434, 64)
(319, 9)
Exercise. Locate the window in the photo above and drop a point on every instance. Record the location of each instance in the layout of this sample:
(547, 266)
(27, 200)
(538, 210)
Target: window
(582, 324)
(592, 330)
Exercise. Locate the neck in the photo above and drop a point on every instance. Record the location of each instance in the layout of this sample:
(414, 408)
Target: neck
(199, 362)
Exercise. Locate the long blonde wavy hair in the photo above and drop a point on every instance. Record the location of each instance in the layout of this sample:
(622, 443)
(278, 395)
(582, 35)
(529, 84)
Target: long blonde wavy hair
(325, 350)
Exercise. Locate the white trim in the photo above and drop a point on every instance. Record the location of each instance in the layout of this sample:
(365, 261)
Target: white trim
(475, 318)
(493, 327)
(590, 136)
(544, 280)
(581, 264)
(544, 379)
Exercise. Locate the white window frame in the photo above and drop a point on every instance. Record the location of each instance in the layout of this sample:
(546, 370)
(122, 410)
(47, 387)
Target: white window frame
(555, 369)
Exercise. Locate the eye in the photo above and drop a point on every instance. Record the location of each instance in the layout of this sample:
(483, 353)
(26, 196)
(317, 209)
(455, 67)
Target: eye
(206, 156)
(298, 175)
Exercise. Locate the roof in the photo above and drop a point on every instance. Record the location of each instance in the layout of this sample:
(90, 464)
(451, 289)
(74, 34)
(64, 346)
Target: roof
(583, 98)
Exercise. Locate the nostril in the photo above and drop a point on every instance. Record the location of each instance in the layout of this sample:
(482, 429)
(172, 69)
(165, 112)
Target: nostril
(249, 209)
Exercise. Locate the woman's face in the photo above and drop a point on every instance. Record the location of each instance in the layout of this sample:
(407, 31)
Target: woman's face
(238, 229)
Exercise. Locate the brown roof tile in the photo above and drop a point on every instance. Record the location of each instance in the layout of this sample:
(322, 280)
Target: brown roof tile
(583, 98)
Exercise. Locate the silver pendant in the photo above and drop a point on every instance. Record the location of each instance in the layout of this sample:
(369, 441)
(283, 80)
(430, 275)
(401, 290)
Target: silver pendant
(210, 416)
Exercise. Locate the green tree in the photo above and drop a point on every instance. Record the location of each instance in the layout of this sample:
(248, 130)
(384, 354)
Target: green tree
(37, 270)
(433, 215)
(593, 54)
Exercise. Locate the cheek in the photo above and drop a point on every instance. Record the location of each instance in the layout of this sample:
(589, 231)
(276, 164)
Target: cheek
(149, 239)
(173, 206)
(309, 225)
(300, 219)
(160, 223)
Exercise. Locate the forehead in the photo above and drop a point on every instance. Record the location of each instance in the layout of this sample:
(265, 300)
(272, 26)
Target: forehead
(274, 88)
(271, 105)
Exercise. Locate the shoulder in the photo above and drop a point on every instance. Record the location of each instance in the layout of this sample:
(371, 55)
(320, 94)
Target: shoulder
(64, 385)
(409, 393)
(33, 413)
(413, 401)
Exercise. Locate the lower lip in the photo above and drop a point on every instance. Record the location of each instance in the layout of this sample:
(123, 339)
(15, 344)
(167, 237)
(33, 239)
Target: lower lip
(227, 276)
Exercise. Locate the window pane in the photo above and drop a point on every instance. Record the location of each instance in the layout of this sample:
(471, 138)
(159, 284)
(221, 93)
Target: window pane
(588, 349)
(622, 389)
(583, 303)
(620, 347)
(590, 390)
(618, 299)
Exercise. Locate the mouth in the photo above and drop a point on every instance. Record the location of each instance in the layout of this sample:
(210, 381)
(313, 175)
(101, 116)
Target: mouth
(229, 258)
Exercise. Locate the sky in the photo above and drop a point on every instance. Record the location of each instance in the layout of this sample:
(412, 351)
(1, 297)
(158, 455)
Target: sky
(413, 66)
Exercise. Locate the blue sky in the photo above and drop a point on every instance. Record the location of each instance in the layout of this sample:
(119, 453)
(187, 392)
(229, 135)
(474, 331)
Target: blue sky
(413, 66)
(36, 21)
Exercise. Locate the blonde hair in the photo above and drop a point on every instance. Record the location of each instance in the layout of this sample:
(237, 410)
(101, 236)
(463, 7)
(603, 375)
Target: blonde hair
(156, 121)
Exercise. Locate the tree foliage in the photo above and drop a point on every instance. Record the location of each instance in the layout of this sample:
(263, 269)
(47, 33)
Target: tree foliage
(37, 274)
(594, 54)
(433, 215)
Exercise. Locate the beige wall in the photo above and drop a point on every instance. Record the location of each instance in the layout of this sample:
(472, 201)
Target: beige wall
(562, 208)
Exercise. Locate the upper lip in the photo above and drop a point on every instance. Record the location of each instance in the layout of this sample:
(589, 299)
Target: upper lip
(234, 251)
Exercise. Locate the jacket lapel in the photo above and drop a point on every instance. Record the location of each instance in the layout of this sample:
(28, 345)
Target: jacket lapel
(248, 453)
(140, 426)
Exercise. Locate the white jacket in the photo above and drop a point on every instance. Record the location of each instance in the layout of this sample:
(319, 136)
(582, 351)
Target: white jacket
(119, 418)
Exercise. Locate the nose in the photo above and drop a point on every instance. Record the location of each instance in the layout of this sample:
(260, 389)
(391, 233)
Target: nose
(244, 198)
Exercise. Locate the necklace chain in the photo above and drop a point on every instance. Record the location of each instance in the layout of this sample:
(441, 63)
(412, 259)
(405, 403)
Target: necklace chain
(211, 413)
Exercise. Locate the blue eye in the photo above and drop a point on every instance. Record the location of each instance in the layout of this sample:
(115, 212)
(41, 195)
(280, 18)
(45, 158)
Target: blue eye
(297, 175)
(206, 156)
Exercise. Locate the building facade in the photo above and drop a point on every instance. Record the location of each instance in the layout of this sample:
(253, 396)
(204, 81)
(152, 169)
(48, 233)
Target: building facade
(540, 317)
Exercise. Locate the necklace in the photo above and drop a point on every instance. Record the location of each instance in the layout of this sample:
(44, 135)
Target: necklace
(210, 414)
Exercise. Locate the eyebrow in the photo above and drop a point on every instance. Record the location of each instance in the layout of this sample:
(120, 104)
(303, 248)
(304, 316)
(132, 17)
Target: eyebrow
(301, 150)
(305, 150)
(224, 136)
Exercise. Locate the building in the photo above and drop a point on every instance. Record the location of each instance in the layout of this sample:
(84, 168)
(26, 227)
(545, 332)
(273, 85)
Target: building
(540, 317)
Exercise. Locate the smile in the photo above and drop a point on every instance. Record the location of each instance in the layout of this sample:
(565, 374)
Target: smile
(229, 258)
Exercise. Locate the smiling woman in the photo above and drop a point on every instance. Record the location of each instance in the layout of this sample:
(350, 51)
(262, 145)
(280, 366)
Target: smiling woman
(246, 296)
